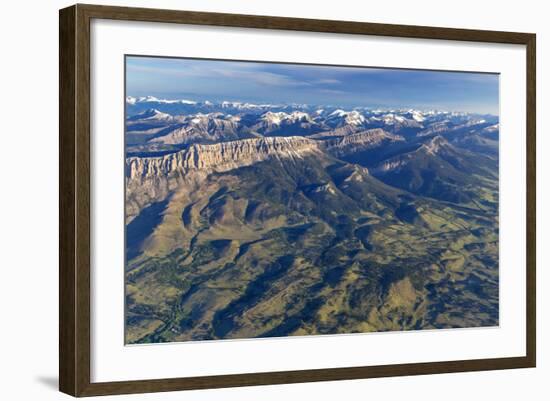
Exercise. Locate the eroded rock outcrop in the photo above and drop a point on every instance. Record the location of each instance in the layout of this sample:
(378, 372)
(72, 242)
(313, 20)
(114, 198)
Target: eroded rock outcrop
(151, 179)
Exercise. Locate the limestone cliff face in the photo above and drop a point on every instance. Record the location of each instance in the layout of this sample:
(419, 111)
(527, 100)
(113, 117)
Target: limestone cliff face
(360, 141)
(218, 157)
(151, 179)
(431, 147)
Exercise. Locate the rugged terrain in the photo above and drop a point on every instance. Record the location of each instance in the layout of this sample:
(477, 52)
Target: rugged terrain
(272, 220)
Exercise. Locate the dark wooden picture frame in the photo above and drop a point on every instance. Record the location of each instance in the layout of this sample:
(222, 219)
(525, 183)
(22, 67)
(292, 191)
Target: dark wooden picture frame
(74, 199)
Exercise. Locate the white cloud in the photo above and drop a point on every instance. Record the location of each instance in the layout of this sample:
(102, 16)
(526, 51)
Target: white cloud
(213, 72)
(332, 91)
(328, 81)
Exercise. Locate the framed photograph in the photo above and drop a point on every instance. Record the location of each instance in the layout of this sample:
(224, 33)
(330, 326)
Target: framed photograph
(250, 200)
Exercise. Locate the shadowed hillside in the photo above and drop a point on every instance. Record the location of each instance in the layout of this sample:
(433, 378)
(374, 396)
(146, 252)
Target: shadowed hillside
(284, 222)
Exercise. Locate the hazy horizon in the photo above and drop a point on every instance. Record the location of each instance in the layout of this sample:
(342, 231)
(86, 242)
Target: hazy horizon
(343, 86)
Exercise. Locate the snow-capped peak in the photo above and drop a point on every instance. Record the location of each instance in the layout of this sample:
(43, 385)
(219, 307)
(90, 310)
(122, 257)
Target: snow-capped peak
(152, 114)
(392, 118)
(245, 106)
(153, 99)
(350, 117)
(355, 118)
(298, 115)
(147, 99)
(417, 116)
(491, 128)
(277, 118)
(435, 144)
(338, 113)
(274, 117)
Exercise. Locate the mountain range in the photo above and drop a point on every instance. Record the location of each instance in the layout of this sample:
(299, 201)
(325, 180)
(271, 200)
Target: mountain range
(246, 220)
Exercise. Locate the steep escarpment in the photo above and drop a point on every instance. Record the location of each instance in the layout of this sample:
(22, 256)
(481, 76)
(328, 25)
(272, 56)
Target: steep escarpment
(360, 141)
(151, 179)
(219, 157)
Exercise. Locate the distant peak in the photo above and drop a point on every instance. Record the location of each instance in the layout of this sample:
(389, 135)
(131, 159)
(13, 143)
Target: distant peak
(279, 117)
(152, 99)
(338, 112)
(435, 144)
(352, 117)
(151, 114)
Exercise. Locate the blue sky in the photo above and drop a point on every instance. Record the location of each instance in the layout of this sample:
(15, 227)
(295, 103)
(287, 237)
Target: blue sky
(214, 80)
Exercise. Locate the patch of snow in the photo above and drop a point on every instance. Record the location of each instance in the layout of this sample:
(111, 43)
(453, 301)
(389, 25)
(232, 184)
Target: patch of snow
(338, 112)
